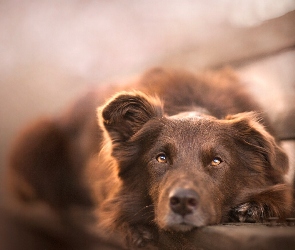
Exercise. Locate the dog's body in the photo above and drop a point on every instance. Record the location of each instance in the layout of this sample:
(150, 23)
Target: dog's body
(178, 153)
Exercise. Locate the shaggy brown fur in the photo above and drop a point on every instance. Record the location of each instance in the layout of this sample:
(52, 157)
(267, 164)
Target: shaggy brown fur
(180, 152)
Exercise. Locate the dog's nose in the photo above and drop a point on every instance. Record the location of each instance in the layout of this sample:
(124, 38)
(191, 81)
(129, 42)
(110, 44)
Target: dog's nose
(183, 201)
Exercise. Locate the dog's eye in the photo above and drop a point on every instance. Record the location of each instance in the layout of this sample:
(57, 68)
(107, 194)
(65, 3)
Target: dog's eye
(162, 158)
(216, 161)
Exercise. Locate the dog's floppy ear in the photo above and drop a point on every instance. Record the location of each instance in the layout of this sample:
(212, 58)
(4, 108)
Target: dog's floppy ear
(255, 136)
(124, 114)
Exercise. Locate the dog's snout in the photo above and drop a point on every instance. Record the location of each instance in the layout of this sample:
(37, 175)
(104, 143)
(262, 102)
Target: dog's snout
(183, 201)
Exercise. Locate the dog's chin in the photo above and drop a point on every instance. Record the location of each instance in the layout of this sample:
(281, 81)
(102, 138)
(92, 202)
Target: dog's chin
(177, 223)
(179, 227)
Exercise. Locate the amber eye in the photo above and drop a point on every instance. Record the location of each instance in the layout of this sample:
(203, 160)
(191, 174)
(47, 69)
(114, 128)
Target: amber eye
(162, 158)
(216, 161)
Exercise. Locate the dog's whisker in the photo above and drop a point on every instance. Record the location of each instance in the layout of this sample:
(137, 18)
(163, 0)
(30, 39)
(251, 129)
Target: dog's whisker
(145, 212)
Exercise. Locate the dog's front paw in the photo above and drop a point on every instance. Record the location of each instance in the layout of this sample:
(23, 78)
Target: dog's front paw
(140, 236)
(249, 212)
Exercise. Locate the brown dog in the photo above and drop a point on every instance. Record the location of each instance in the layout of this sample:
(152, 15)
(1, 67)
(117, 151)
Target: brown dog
(180, 152)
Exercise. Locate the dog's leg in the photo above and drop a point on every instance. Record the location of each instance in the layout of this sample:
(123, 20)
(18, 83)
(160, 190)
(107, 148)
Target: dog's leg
(275, 201)
(140, 236)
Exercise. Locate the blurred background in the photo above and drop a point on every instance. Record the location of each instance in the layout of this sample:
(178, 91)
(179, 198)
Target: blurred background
(51, 51)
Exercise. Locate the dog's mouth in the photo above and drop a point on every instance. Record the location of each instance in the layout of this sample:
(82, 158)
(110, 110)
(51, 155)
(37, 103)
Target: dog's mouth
(179, 224)
(180, 227)
(184, 226)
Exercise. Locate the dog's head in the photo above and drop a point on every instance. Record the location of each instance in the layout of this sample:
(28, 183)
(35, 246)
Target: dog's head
(191, 169)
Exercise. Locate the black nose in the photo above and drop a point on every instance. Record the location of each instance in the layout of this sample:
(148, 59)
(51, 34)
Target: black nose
(183, 201)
